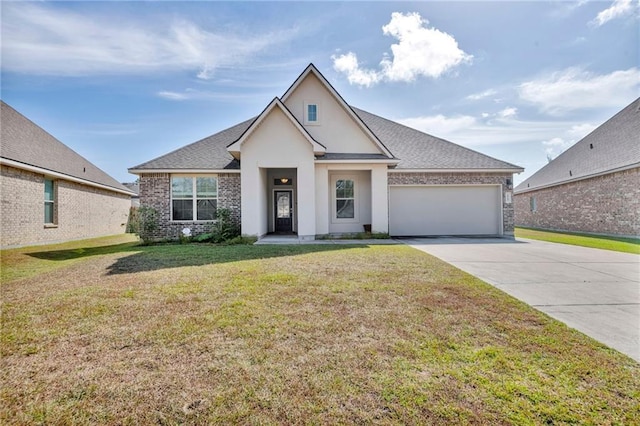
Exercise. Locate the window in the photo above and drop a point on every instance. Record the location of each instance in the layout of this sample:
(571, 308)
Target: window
(532, 204)
(345, 199)
(311, 113)
(49, 202)
(191, 194)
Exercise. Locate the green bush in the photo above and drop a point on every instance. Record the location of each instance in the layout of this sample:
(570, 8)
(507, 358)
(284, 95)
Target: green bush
(224, 230)
(146, 221)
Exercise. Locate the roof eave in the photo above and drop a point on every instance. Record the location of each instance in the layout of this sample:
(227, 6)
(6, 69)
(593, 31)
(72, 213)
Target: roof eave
(576, 179)
(52, 173)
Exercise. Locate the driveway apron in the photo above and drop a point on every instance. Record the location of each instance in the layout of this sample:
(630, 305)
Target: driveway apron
(594, 291)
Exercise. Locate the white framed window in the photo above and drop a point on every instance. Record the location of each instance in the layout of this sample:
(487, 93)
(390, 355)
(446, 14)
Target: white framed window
(533, 205)
(194, 198)
(344, 205)
(311, 113)
(49, 202)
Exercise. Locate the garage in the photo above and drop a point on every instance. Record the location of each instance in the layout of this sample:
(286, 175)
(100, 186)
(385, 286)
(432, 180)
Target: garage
(423, 210)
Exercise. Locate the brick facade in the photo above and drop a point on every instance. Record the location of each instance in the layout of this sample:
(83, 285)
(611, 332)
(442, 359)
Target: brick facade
(463, 179)
(155, 191)
(607, 204)
(82, 211)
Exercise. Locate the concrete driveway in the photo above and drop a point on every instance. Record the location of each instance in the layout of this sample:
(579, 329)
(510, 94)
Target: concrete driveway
(594, 291)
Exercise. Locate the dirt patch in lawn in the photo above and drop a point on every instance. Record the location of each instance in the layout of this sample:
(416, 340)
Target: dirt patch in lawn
(202, 334)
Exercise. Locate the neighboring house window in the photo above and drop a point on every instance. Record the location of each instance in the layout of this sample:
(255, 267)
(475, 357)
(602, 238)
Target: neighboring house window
(533, 204)
(49, 201)
(311, 113)
(345, 199)
(194, 198)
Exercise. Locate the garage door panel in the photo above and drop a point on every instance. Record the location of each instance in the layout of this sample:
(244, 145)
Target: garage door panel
(444, 210)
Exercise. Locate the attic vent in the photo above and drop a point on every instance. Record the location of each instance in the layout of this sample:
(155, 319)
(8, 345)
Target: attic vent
(570, 174)
(84, 169)
(590, 146)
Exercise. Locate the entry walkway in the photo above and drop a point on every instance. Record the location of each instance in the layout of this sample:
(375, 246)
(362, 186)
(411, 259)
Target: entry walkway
(594, 291)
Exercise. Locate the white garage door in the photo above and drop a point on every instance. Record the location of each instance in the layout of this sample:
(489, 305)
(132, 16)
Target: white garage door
(445, 210)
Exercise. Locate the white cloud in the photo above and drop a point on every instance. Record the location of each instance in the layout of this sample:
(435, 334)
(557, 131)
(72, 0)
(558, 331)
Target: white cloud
(174, 96)
(555, 146)
(482, 95)
(618, 9)
(575, 89)
(420, 52)
(44, 40)
(492, 129)
(348, 64)
(508, 112)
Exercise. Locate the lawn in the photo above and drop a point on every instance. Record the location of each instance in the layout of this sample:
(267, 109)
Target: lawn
(626, 245)
(320, 334)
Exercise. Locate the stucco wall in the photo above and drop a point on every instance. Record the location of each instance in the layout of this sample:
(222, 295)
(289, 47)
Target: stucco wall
(82, 211)
(406, 178)
(155, 191)
(608, 204)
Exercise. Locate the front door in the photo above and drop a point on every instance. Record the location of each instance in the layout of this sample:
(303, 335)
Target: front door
(284, 211)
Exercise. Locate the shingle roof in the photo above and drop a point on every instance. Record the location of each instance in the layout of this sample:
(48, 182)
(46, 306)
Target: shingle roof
(418, 150)
(209, 153)
(414, 149)
(612, 146)
(25, 142)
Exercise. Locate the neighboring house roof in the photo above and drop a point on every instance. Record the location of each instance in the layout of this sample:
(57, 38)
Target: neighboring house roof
(26, 145)
(414, 150)
(613, 146)
(133, 187)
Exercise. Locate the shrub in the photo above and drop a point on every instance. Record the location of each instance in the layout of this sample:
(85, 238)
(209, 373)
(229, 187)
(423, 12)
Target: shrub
(146, 221)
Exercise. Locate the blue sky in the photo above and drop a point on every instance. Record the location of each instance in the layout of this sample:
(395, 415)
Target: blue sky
(124, 82)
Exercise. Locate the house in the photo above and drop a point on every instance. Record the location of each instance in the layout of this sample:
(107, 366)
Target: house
(312, 165)
(592, 187)
(134, 187)
(49, 192)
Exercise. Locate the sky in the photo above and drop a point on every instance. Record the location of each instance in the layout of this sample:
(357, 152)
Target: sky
(123, 82)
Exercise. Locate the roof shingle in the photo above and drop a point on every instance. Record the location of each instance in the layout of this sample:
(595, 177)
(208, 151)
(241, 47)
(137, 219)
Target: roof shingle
(25, 142)
(414, 149)
(612, 146)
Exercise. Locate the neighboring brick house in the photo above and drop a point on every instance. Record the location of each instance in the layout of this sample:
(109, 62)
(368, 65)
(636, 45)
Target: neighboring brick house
(593, 187)
(310, 164)
(49, 193)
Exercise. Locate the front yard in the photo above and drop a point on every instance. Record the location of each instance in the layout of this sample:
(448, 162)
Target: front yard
(201, 334)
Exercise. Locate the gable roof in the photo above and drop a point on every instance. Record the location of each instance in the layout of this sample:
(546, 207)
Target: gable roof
(311, 69)
(26, 145)
(234, 147)
(613, 146)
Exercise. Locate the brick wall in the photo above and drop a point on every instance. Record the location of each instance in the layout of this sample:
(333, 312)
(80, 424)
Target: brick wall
(608, 204)
(82, 211)
(463, 179)
(155, 191)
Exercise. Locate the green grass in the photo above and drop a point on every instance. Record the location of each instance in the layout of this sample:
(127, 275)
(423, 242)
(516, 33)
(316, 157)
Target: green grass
(627, 245)
(319, 334)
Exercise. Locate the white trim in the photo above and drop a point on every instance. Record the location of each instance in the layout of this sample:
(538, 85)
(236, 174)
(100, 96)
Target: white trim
(312, 69)
(194, 199)
(306, 114)
(550, 185)
(334, 177)
(383, 161)
(183, 171)
(58, 175)
(456, 171)
(235, 148)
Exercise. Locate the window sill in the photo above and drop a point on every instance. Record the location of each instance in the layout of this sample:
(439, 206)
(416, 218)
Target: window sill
(50, 225)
